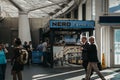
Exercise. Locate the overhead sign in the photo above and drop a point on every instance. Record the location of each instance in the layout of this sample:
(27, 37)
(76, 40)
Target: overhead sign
(109, 19)
(71, 24)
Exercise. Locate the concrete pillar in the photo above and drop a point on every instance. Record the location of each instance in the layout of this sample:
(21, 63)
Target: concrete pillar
(80, 12)
(105, 45)
(24, 27)
(98, 10)
(89, 10)
(106, 36)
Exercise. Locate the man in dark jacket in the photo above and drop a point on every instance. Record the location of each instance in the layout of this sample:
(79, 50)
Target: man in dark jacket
(92, 60)
(84, 46)
(84, 49)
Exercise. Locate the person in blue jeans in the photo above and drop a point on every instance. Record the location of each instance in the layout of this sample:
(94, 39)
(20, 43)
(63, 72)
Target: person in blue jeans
(3, 62)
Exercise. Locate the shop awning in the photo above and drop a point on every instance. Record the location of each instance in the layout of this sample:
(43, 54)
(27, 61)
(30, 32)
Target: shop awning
(71, 24)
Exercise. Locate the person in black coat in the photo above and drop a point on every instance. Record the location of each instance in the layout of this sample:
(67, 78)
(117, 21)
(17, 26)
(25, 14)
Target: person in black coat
(84, 48)
(92, 60)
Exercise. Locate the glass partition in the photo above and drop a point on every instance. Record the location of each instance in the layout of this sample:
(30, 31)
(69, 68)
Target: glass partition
(117, 46)
(67, 56)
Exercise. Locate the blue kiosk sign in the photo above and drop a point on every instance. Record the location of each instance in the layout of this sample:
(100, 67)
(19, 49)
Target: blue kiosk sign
(72, 24)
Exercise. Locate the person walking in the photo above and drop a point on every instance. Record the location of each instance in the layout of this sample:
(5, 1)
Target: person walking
(92, 60)
(84, 48)
(3, 61)
(44, 50)
(16, 66)
(30, 49)
(40, 46)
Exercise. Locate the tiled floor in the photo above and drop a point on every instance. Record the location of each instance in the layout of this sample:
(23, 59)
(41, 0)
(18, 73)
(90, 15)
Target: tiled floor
(37, 72)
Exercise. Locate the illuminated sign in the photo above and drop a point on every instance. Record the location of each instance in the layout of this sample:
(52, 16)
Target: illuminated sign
(71, 24)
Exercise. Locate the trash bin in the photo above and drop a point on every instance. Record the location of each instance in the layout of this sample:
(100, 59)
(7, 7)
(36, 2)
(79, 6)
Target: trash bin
(37, 57)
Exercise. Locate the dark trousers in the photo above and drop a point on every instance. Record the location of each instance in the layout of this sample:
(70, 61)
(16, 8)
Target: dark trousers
(2, 71)
(85, 64)
(45, 58)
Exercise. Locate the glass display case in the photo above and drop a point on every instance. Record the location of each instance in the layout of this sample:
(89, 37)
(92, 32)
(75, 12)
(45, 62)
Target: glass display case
(66, 56)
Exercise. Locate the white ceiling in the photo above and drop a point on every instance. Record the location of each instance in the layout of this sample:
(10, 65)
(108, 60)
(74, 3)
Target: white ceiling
(35, 8)
(39, 8)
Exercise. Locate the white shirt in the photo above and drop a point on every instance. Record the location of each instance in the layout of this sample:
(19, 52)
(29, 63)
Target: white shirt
(44, 44)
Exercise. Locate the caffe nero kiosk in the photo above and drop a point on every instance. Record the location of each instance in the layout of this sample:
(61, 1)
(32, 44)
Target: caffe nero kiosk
(65, 41)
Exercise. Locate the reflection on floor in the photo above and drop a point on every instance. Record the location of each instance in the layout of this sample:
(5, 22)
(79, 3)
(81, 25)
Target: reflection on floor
(37, 72)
